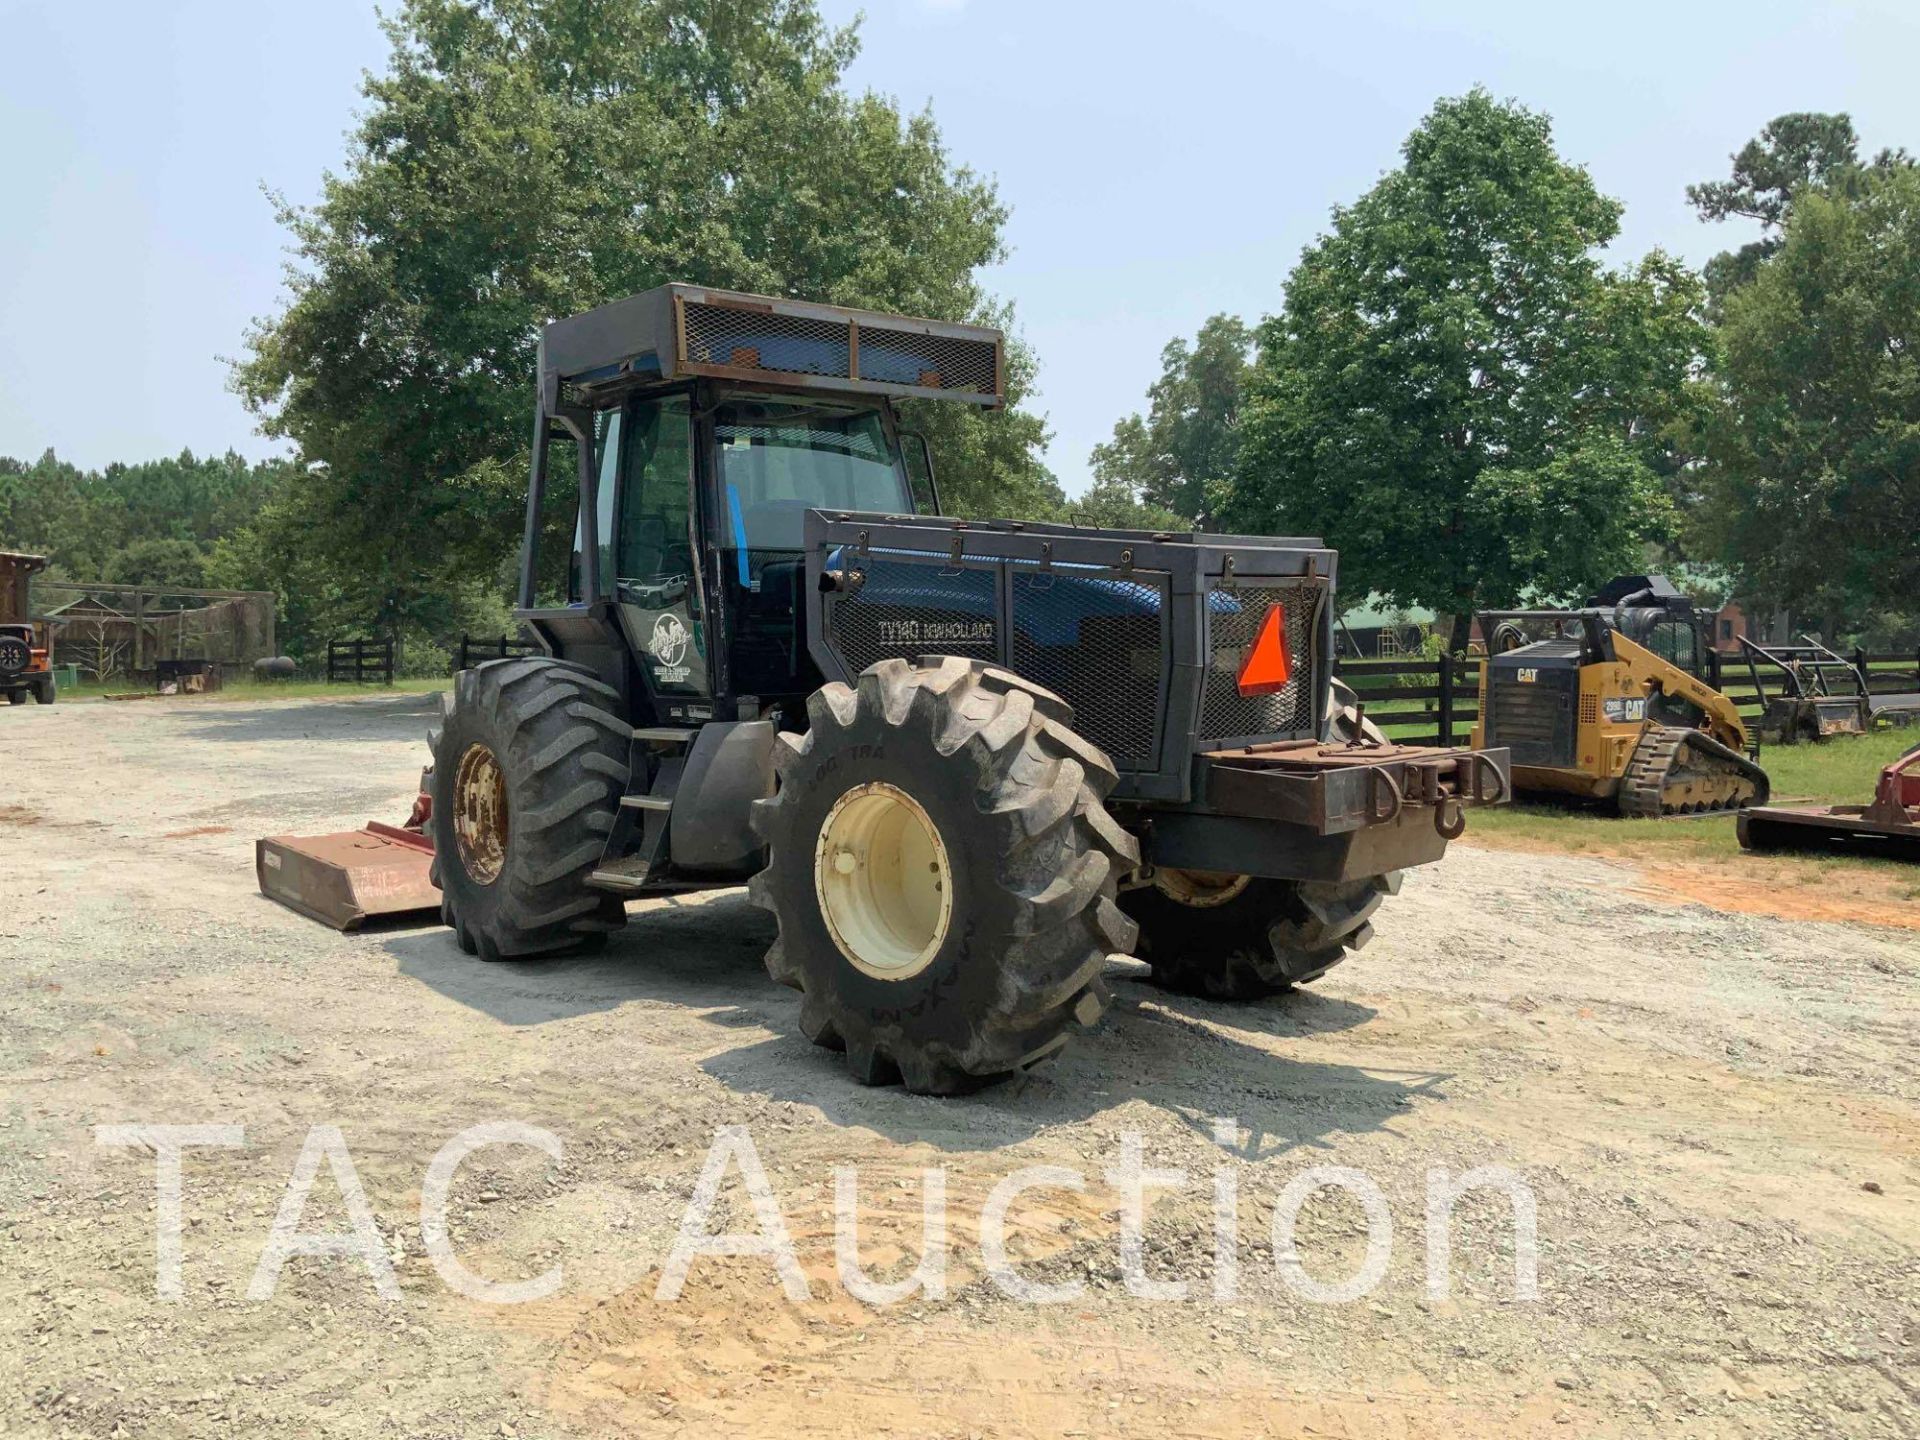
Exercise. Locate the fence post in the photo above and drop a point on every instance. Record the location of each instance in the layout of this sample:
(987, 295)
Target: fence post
(1446, 697)
(1860, 669)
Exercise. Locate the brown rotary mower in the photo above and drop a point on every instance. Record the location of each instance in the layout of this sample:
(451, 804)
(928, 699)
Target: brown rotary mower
(353, 877)
(1888, 826)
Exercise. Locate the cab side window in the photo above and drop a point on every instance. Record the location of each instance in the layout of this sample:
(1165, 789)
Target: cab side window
(655, 537)
(1674, 640)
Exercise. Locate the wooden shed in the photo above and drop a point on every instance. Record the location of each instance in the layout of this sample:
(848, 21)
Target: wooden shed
(15, 567)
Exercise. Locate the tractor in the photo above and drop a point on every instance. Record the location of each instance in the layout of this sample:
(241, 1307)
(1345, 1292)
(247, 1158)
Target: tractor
(961, 762)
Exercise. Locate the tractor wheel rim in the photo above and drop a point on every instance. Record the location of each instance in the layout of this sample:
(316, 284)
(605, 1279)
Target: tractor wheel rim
(883, 880)
(480, 815)
(1202, 889)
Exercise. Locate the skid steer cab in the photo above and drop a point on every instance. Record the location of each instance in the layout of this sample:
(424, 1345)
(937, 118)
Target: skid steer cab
(961, 762)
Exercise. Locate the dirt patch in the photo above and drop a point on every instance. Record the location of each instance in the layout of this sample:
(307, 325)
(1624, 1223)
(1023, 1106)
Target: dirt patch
(18, 815)
(195, 831)
(1698, 1097)
(1783, 886)
(1788, 890)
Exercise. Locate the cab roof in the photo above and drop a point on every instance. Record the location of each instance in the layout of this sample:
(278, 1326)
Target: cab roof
(679, 331)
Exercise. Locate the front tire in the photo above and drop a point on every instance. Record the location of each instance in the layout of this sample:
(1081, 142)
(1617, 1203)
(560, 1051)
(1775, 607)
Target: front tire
(942, 870)
(1239, 937)
(46, 691)
(528, 770)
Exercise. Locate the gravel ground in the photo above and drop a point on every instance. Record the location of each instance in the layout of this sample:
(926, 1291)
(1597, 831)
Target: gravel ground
(1716, 1114)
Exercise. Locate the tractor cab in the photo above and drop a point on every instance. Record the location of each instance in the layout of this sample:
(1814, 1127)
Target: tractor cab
(706, 426)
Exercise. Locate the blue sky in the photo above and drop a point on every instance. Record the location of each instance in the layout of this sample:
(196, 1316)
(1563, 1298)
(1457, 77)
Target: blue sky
(1162, 162)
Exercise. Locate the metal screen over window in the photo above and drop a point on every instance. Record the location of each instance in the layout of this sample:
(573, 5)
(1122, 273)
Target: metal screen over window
(758, 340)
(772, 342)
(1234, 616)
(906, 609)
(936, 362)
(1098, 643)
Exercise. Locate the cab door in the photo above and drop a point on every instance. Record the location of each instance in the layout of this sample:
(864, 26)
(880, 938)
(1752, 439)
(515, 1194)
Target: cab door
(650, 546)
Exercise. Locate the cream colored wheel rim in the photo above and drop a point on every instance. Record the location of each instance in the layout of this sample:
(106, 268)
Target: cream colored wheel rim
(1201, 889)
(480, 815)
(885, 888)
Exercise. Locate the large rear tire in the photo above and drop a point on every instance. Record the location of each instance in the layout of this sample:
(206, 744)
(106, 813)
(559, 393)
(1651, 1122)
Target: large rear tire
(528, 769)
(1239, 937)
(942, 870)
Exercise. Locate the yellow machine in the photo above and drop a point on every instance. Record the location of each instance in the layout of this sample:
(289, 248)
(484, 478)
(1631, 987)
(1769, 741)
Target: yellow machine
(1588, 709)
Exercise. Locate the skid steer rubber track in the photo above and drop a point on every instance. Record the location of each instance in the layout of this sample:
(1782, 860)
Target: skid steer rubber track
(1674, 771)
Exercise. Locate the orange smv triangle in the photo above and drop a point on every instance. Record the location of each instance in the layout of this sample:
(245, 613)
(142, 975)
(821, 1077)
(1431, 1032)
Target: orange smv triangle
(1268, 666)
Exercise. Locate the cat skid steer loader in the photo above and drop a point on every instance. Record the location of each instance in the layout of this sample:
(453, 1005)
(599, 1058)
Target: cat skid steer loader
(1610, 703)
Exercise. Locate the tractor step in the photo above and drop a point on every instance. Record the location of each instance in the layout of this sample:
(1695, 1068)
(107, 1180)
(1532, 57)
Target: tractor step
(665, 734)
(624, 876)
(646, 802)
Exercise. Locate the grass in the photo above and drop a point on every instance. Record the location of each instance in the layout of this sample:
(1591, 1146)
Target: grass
(1840, 770)
(270, 689)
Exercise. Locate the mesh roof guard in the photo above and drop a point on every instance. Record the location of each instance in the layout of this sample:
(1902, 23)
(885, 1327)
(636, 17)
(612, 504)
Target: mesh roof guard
(681, 330)
(747, 337)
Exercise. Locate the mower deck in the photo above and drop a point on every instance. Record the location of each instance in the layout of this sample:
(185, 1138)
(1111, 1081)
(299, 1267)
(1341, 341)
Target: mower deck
(1784, 827)
(349, 878)
(1889, 825)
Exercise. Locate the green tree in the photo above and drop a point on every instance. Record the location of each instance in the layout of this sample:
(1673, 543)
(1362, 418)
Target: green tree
(1790, 153)
(1456, 394)
(1182, 456)
(521, 160)
(1814, 490)
(145, 521)
(44, 509)
(1115, 504)
(179, 564)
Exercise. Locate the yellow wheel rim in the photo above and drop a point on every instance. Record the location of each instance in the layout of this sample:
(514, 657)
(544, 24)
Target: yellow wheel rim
(480, 815)
(1202, 889)
(885, 887)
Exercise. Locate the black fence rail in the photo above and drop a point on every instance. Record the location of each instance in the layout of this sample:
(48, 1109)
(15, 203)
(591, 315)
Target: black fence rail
(1418, 702)
(503, 647)
(360, 662)
(1437, 702)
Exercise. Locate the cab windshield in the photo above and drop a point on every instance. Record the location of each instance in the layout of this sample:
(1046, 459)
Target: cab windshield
(780, 458)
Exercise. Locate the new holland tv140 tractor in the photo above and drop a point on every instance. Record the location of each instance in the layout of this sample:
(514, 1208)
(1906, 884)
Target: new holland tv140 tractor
(961, 762)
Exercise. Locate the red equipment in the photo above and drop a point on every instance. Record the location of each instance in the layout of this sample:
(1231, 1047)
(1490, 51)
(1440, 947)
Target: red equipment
(1889, 826)
(352, 876)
